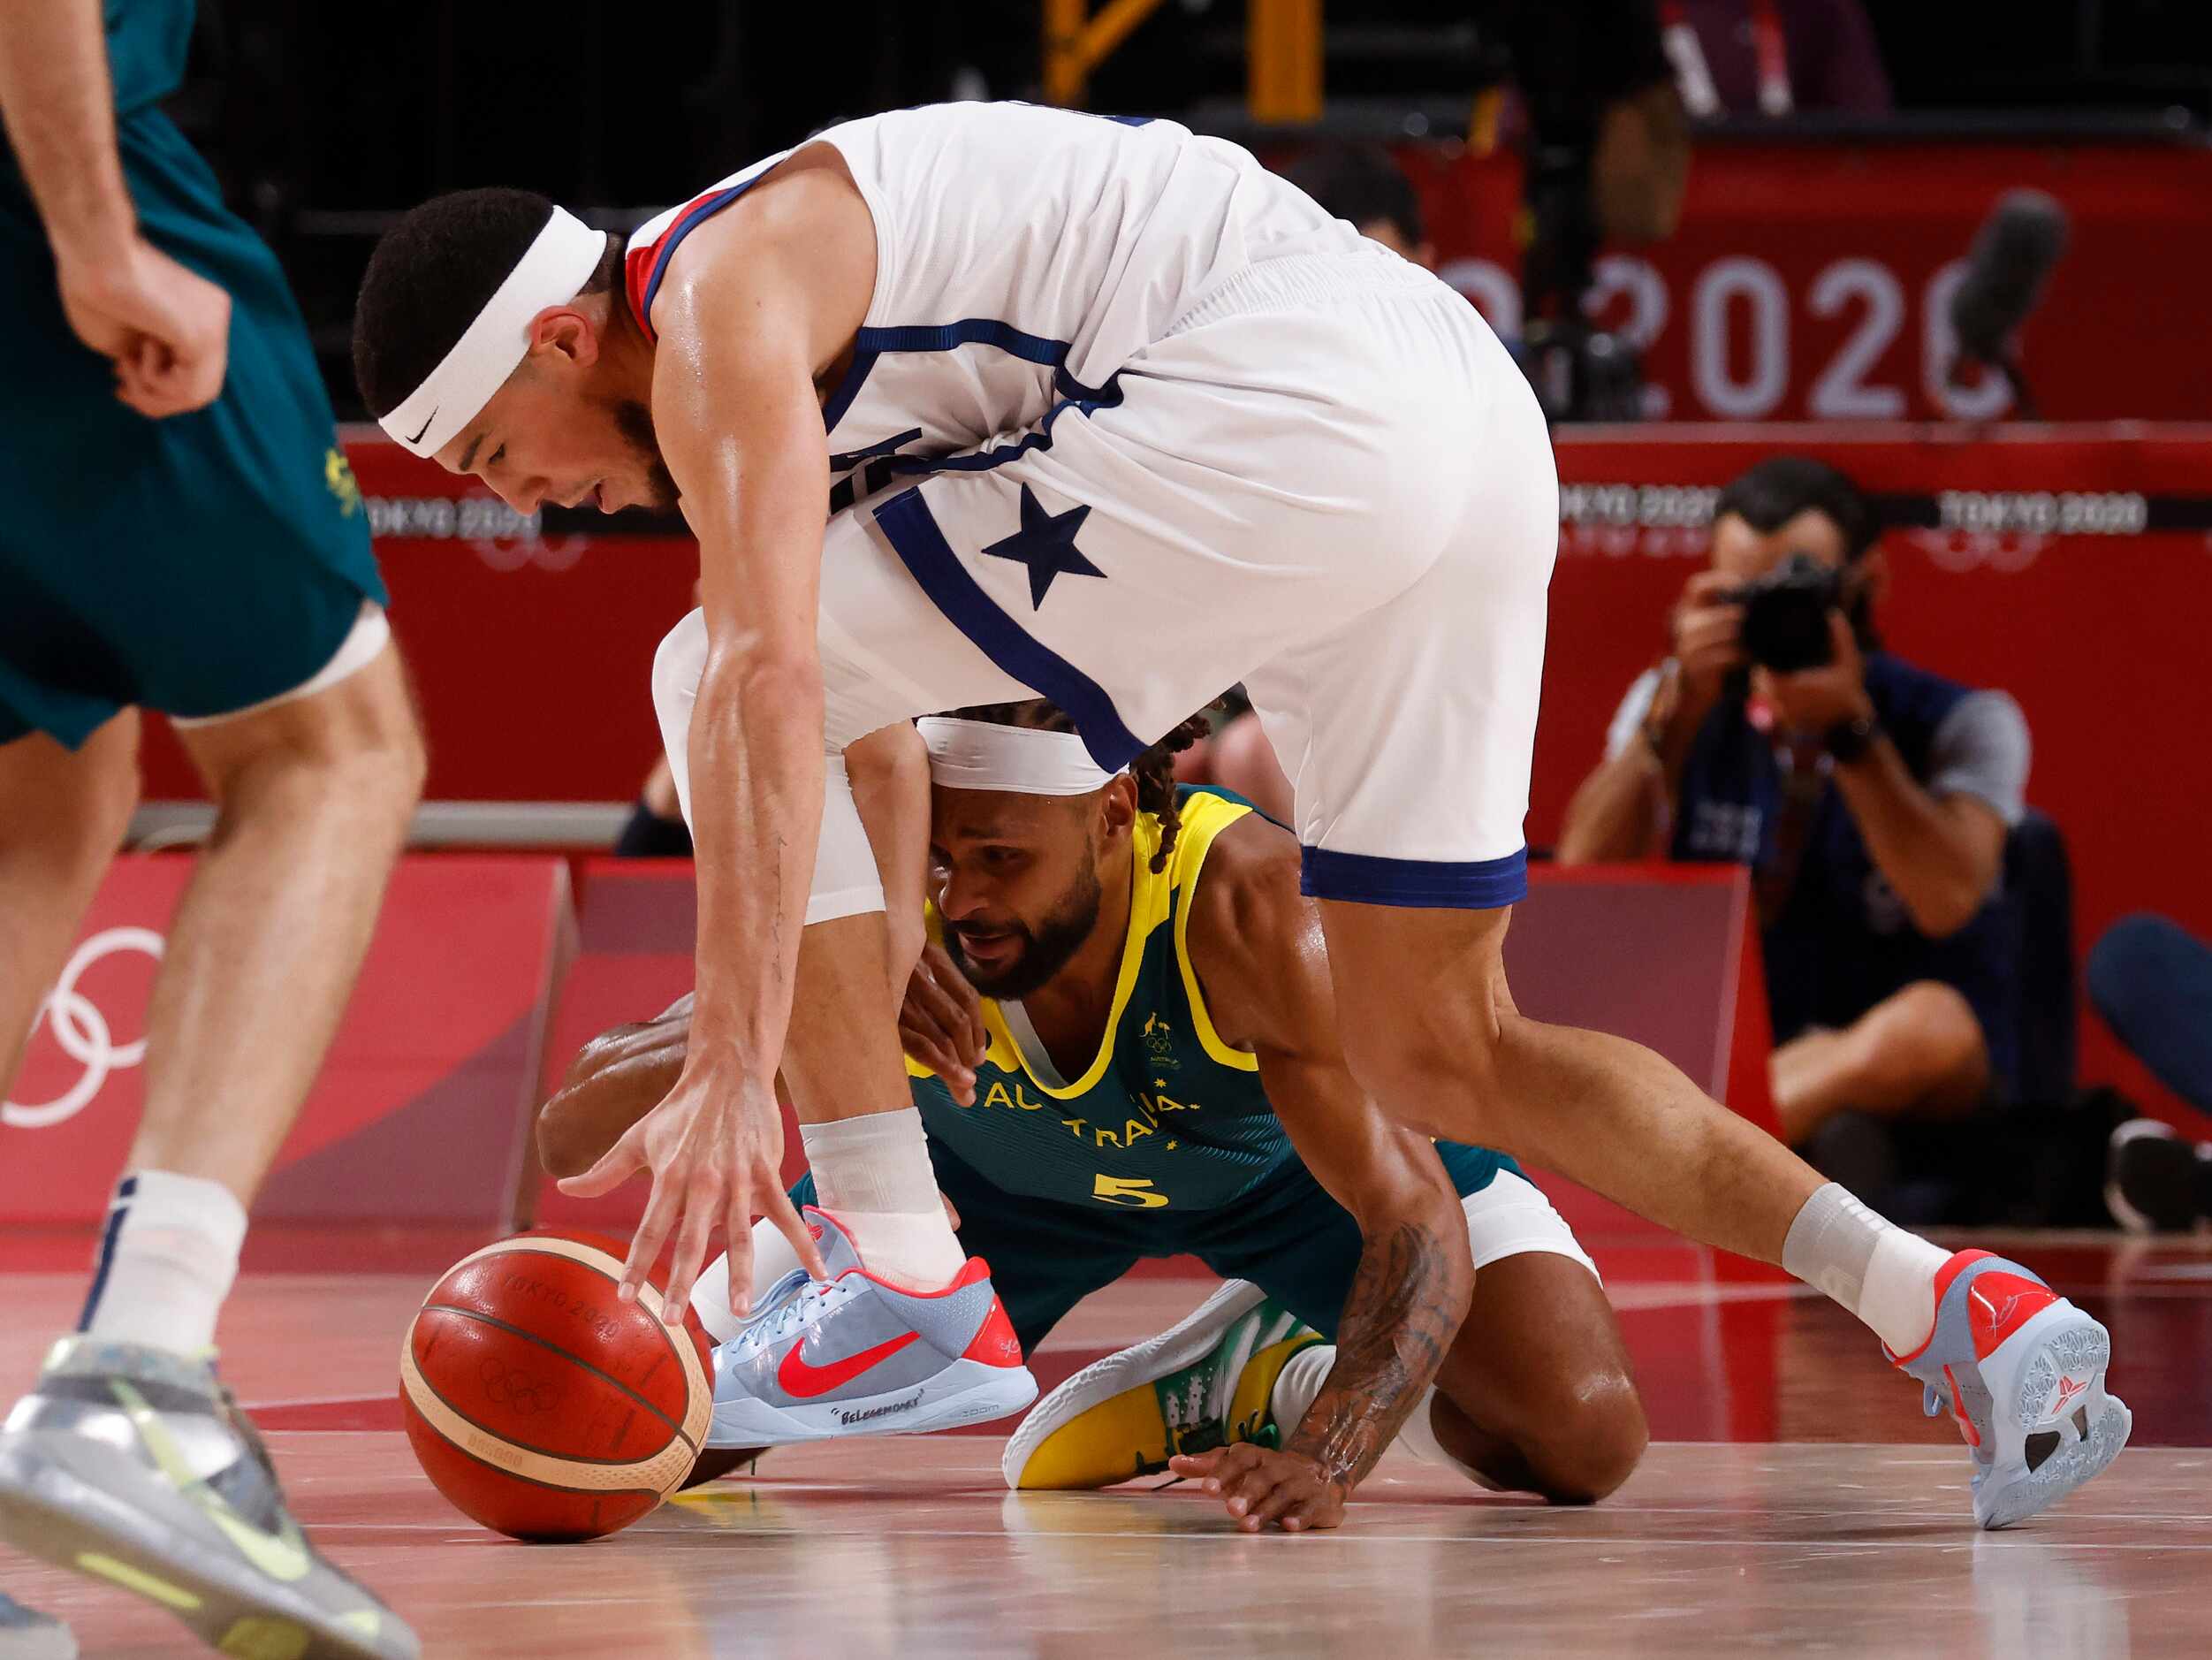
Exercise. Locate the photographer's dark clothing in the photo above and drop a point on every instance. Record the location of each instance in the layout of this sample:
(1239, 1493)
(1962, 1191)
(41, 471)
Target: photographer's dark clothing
(1574, 59)
(1839, 939)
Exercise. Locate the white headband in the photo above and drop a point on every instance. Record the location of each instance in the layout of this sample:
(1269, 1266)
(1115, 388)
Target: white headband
(984, 755)
(552, 272)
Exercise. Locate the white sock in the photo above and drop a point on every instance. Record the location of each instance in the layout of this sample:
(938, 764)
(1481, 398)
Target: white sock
(167, 1258)
(773, 1258)
(1881, 1273)
(873, 1174)
(1300, 1381)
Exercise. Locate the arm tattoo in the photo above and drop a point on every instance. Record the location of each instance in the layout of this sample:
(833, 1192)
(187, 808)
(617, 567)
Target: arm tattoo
(1403, 1310)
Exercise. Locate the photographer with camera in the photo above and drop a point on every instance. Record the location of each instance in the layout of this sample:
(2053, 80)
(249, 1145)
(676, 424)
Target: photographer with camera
(1871, 797)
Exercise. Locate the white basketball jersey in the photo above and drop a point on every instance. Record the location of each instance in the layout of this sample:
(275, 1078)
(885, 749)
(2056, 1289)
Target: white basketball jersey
(1023, 255)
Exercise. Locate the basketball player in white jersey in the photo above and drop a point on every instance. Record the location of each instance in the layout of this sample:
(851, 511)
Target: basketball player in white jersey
(1106, 412)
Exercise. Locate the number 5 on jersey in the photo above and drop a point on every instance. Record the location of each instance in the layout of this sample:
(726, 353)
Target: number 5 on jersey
(1128, 1190)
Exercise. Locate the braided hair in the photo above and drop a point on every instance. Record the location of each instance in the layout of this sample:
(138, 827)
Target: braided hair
(1153, 772)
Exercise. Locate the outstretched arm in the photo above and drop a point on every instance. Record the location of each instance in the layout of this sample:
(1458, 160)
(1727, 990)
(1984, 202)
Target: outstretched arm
(1257, 944)
(165, 328)
(755, 303)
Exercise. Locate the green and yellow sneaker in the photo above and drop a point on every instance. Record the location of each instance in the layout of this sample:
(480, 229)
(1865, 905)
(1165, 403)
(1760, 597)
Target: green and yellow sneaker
(133, 1465)
(1203, 1382)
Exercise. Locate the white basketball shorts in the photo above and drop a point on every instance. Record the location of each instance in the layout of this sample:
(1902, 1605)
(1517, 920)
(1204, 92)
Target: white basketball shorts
(1329, 482)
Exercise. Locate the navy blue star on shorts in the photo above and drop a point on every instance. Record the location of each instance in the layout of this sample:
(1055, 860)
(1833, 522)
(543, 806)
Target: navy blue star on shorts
(1046, 543)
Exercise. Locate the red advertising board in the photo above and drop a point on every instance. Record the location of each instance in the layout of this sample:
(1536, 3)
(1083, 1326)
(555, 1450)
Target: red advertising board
(1811, 281)
(418, 1114)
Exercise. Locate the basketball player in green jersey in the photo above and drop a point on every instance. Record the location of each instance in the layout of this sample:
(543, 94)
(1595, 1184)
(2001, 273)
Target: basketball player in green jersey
(1123, 1043)
(181, 533)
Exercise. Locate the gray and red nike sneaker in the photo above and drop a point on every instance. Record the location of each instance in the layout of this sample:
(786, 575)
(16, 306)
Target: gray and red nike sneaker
(2021, 1371)
(853, 1356)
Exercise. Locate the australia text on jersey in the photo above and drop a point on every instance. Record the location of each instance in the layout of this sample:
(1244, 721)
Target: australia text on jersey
(1014, 1099)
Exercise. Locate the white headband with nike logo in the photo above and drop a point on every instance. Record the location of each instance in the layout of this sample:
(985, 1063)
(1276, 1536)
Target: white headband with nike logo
(552, 272)
(984, 755)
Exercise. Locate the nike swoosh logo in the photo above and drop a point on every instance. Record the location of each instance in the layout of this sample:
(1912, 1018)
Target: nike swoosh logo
(281, 1555)
(417, 439)
(806, 1382)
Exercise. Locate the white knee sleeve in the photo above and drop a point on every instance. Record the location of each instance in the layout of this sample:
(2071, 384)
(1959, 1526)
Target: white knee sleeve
(846, 880)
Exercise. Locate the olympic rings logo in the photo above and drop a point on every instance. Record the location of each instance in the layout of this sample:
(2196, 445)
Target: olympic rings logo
(82, 1032)
(504, 1386)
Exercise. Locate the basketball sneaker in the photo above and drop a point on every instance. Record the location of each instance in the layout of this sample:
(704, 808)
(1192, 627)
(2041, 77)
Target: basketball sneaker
(28, 1635)
(1207, 1381)
(2155, 1181)
(2021, 1370)
(854, 1356)
(133, 1465)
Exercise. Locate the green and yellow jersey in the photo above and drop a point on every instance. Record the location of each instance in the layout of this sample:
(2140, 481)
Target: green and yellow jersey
(1166, 1114)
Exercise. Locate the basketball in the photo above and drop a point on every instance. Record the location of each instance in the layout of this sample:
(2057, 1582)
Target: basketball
(541, 1406)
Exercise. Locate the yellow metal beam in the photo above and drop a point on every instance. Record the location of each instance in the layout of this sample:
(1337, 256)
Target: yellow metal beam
(1282, 64)
(1076, 42)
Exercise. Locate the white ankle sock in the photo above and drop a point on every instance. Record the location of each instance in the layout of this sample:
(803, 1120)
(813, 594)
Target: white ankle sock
(166, 1261)
(1297, 1383)
(773, 1258)
(1884, 1275)
(1300, 1381)
(873, 1174)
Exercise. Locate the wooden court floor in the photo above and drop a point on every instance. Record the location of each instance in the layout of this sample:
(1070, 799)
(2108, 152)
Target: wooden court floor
(1795, 1502)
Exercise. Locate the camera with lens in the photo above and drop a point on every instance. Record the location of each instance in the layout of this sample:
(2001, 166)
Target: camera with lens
(1785, 613)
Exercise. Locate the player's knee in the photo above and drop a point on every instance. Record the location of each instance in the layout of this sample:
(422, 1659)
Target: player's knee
(83, 824)
(378, 771)
(356, 749)
(385, 738)
(392, 763)
(1928, 1036)
(1592, 1442)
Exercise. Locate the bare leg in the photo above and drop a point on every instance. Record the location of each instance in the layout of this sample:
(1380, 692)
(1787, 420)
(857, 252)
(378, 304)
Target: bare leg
(313, 799)
(1919, 1053)
(841, 1058)
(1431, 1031)
(1537, 1392)
(62, 817)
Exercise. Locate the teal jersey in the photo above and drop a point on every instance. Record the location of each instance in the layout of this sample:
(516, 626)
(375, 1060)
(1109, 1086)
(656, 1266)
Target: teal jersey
(147, 40)
(1167, 1115)
(199, 564)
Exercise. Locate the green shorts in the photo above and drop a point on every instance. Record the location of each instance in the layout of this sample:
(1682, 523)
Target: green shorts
(197, 565)
(1286, 1235)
